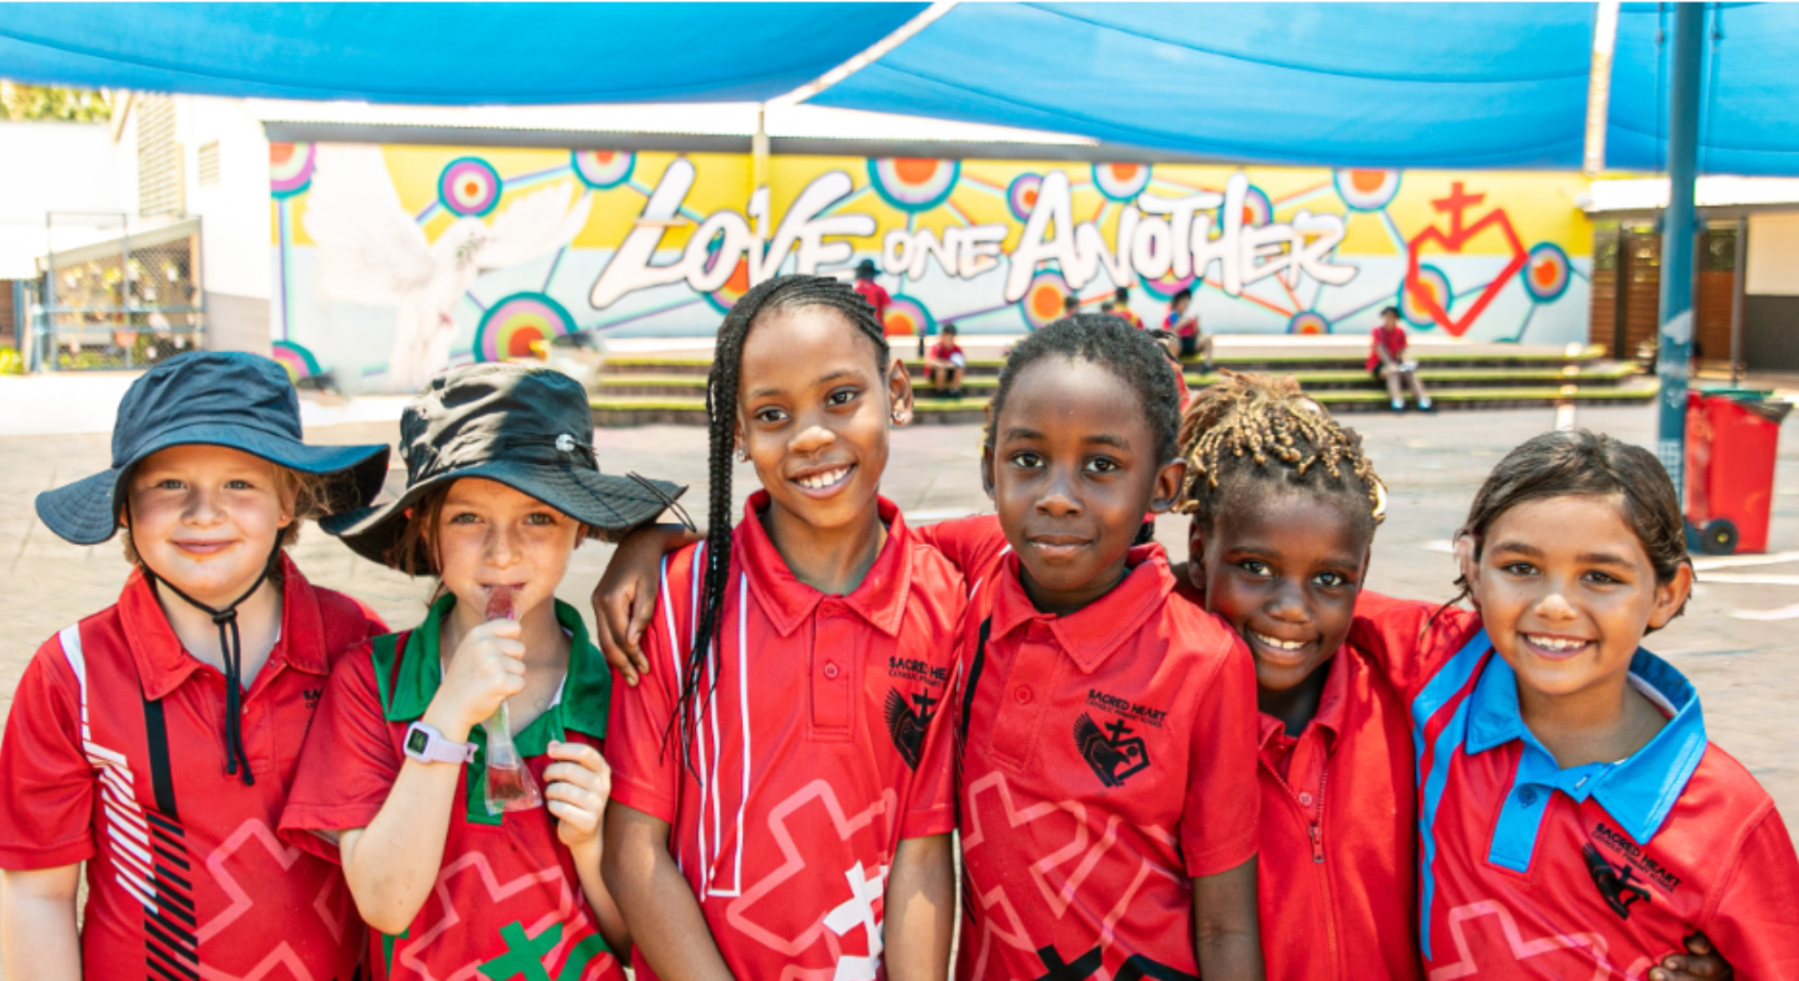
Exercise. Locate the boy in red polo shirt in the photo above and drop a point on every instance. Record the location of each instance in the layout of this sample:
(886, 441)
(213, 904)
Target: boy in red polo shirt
(782, 785)
(1575, 821)
(1108, 771)
(946, 364)
(874, 293)
(156, 740)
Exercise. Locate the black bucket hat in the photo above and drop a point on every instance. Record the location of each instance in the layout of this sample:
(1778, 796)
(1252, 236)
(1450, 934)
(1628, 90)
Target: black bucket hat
(528, 428)
(215, 398)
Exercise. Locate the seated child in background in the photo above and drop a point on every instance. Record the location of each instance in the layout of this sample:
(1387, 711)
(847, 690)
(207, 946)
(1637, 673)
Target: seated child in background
(153, 737)
(454, 856)
(946, 363)
(1387, 360)
(1185, 326)
(1121, 307)
(1574, 819)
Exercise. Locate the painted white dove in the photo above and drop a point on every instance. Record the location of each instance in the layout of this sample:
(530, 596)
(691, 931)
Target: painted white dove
(372, 252)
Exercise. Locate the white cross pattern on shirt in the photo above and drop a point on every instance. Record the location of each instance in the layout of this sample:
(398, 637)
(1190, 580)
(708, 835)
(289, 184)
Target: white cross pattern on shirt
(859, 910)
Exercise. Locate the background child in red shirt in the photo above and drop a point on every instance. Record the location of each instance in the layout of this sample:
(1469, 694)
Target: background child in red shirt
(946, 363)
(156, 740)
(402, 773)
(1121, 307)
(874, 293)
(1387, 360)
(782, 795)
(1185, 327)
(1574, 820)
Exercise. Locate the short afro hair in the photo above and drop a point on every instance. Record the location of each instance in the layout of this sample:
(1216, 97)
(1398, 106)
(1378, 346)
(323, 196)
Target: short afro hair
(1131, 354)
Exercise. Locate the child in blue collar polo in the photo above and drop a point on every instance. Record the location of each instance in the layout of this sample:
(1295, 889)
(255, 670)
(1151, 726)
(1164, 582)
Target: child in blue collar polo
(465, 864)
(1574, 820)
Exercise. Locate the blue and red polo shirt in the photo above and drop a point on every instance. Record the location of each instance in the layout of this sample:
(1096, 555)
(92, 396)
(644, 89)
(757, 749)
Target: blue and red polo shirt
(114, 757)
(823, 741)
(1528, 870)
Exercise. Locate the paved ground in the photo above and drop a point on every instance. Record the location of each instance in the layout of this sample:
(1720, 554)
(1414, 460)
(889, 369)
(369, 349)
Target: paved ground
(1431, 463)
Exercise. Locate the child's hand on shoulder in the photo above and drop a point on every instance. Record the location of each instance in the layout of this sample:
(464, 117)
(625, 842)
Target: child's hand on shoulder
(487, 669)
(580, 783)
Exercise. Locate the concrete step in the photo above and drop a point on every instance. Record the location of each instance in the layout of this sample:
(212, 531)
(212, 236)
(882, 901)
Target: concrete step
(1590, 374)
(1444, 357)
(616, 411)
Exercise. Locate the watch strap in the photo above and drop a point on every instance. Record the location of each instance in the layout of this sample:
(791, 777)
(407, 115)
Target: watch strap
(425, 744)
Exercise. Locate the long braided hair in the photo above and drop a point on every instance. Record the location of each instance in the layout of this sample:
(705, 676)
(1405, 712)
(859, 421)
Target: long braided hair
(722, 388)
(1258, 427)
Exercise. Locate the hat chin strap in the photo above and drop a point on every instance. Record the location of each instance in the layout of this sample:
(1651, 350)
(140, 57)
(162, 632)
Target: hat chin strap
(231, 646)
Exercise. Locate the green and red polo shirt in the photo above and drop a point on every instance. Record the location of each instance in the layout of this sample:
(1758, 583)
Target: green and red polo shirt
(508, 901)
(114, 756)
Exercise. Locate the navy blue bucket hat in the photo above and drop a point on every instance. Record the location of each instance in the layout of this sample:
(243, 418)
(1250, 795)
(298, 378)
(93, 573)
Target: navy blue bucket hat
(528, 428)
(215, 398)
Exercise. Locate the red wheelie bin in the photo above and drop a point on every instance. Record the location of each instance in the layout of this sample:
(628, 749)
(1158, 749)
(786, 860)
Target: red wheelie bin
(1733, 436)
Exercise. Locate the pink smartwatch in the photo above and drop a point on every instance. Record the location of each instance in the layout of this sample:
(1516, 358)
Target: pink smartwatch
(425, 744)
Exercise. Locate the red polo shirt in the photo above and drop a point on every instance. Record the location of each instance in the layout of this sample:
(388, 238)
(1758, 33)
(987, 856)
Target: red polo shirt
(508, 901)
(821, 746)
(877, 297)
(115, 756)
(1108, 759)
(1335, 868)
(1528, 870)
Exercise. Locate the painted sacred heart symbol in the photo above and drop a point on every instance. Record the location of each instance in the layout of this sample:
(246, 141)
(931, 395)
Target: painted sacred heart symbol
(1452, 241)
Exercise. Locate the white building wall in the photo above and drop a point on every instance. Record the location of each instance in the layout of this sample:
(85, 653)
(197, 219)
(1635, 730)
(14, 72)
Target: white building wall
(1772, 266)
(51, 167)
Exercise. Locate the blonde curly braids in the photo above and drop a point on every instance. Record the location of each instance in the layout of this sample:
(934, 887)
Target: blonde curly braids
(1258, 419)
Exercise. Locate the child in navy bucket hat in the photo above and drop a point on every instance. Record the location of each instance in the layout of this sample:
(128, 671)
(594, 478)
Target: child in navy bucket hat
(156, 740)
(466, 751)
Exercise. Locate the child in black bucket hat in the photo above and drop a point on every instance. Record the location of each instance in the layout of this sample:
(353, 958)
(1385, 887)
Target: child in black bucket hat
(428, 773)
(156, 739)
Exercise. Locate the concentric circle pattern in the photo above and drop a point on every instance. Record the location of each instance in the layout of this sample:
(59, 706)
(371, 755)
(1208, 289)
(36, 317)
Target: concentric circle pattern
(1366, 190)
(1546, 272)
(509, 326)
(1121, 182)
(914, 183)
(1433, 279)
(1021, 195)
(906, 315)
(290, 168)
(469, 187)
(1042, 302)
(1308, 322)
(602, 169)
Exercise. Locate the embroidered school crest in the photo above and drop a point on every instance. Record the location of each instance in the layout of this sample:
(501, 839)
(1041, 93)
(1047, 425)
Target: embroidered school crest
(1113, 757)
(1614, 882)
(907, 724)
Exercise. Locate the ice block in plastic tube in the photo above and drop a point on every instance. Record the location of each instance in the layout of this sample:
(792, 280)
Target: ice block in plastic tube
(509, 784)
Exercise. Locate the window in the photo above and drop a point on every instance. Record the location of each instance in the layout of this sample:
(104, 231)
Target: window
(209, 164)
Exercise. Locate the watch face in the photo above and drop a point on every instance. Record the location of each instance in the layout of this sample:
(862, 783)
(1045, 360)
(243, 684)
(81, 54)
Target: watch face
(416, 741)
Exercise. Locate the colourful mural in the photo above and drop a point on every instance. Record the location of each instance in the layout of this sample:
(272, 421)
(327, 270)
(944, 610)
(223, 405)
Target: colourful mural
(396, 261)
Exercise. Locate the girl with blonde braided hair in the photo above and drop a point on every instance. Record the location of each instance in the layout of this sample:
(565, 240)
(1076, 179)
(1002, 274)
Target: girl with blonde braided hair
(1284, 505)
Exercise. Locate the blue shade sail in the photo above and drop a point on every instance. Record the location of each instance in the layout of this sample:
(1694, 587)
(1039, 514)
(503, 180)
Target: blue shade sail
(1382, 85)
(443, 53)
(1749, 95)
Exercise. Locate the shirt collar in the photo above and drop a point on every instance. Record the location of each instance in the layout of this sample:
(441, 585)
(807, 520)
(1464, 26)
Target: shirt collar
(582, 705)
(163, 664)
(1092, 633)
(880, 598)
(1638, 791)
(1333, 706)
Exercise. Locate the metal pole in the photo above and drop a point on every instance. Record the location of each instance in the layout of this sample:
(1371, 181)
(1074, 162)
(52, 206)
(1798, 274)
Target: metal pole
(1676, 334)
(1736, 302)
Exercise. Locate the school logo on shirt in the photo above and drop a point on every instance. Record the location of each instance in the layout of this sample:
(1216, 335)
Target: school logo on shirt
(907, 722)
(1615, 882)
(1114, 754)
(1087, 965)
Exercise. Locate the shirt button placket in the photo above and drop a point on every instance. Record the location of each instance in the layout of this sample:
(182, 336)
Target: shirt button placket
(834, 652)
(1021, 709)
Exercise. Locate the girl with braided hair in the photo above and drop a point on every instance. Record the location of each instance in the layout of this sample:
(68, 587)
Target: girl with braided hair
(1284, 505)
(782, 781)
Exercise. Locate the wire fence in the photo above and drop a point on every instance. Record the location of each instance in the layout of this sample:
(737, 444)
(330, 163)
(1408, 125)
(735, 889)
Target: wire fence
(117, 292)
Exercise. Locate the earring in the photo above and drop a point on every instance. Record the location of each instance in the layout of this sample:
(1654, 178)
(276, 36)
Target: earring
(742, 455)
(899, 416)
